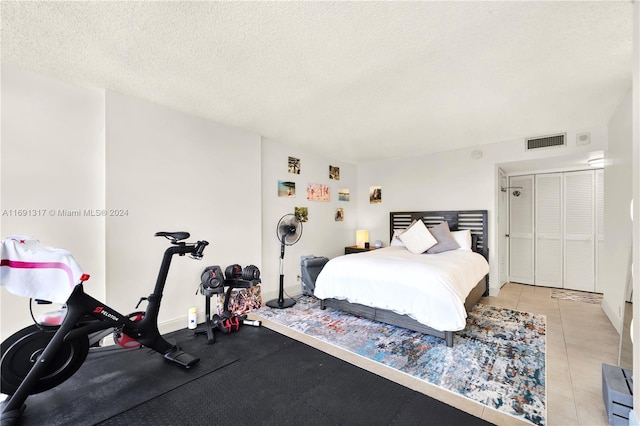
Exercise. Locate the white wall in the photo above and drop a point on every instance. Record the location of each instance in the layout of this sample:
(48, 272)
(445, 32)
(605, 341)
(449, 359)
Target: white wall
(176, 172)
(634, 418)
(322, 235)
(453, 180)
(169, 171)
(68, 147)
(617, 220)
(52, 159)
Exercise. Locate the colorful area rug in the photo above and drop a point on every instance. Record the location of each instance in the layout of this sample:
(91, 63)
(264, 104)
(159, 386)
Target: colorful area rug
(498, 360)
(578, 296)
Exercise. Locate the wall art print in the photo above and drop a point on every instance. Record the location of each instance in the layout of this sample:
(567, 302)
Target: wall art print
(302, 213)
(334, 172)
(318, 192)
(339, 217)
(375, 194)
(294, 165)
(286, 188)
(343, 194)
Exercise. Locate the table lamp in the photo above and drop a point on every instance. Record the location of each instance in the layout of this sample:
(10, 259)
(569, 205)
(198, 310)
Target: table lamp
(362, 237)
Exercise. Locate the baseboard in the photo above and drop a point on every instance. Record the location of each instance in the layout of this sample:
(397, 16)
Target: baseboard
(494, 291)
(289, 292)
(181, 322)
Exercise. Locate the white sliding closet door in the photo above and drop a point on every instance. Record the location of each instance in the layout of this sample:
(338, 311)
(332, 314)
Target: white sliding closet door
(521, 228)
(579, 226)
(548, 230)
(599, 212)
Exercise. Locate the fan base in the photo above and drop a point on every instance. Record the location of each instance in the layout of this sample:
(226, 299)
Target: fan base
(286, 303)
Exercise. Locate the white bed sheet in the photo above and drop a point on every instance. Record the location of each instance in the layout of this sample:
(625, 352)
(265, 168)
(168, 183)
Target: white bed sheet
(430, 288)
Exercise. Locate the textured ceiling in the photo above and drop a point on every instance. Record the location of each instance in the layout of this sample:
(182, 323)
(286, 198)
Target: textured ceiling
(355, 81)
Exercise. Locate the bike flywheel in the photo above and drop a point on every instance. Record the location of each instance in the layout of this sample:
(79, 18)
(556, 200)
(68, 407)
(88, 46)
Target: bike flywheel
(21, 351)
(125, 340)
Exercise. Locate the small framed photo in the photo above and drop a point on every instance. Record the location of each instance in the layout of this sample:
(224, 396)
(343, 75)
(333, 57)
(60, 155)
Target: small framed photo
(286, 188)
(294, 165)
(339, 215)
(375, 194)
(318, 192)
(334, 172)
(302, 213)
(343, 194)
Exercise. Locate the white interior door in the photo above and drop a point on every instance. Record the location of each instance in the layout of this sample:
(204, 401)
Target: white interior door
(599, 221)
(579, 227)
(521, 228)
(548, 230)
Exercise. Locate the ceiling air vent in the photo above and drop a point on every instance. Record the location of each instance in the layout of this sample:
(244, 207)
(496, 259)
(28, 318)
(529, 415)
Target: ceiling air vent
(546, 141)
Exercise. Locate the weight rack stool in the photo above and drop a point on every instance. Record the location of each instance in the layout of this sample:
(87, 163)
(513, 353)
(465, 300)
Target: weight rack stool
(212, 321)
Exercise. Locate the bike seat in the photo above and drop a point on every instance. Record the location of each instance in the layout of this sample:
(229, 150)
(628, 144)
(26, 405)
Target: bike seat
(175, 236)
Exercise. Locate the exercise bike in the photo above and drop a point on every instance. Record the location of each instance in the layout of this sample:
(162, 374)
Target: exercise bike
(38, 358)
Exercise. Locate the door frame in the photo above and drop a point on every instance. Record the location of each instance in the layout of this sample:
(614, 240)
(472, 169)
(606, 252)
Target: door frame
(503, 228)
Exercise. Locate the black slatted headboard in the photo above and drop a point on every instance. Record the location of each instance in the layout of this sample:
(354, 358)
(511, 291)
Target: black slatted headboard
(474, 220)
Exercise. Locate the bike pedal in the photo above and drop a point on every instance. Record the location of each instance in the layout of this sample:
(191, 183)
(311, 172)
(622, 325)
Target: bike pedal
(180, 357)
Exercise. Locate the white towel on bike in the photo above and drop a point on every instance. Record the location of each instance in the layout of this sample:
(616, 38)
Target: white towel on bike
(30, 269)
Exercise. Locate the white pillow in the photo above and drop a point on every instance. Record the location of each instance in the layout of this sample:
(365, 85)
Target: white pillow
(463, 238)
(417, 238)
(395, 240)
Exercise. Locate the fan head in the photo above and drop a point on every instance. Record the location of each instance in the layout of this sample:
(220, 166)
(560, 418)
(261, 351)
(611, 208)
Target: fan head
(289, 229)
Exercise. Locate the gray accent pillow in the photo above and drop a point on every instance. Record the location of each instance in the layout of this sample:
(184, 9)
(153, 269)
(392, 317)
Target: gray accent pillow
(445, 240)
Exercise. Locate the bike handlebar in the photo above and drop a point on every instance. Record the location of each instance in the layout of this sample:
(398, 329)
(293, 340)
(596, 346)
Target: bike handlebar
(199, 249)
(180, 248)
(195, 250)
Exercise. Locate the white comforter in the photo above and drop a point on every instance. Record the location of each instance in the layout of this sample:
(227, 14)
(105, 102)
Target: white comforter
(430, 288)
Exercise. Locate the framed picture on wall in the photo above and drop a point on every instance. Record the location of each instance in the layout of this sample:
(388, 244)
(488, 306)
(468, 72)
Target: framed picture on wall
(339, 215)
(286, 188)
(343, 194)
(375, 194)
(294, 165)
(318, 192)
(334, 172)
(302, 213)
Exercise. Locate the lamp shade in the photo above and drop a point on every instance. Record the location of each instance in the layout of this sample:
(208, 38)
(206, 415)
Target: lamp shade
(362, 236)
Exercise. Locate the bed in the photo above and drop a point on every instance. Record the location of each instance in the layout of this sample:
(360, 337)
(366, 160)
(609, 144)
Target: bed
(428, 293)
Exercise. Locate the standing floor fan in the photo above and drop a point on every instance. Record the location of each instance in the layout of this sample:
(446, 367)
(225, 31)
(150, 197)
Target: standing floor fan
(289, 231)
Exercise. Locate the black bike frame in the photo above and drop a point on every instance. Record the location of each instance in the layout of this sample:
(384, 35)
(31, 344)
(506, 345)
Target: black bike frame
(80, 304)
(144, 331)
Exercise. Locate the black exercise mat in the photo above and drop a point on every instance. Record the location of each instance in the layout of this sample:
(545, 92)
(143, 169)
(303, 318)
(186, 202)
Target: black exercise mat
(296, 385)
(253, 377)
(113, 380)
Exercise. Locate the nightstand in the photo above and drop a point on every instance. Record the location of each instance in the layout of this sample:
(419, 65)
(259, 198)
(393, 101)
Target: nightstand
(356, 249)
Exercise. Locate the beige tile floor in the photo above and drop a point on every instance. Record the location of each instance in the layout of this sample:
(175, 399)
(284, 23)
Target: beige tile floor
(579, 339)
